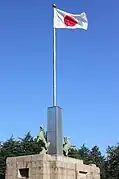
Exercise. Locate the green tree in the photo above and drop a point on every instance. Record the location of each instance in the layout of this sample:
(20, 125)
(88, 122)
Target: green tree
(29, 145)
(84, 154)
(112, 163)
(97, 159)
(73, 153)
(7, 149)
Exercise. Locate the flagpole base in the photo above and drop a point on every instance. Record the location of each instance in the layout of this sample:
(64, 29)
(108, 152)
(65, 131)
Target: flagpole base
(54, 131)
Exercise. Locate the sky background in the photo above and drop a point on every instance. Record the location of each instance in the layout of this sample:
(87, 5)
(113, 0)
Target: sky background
(87, 70)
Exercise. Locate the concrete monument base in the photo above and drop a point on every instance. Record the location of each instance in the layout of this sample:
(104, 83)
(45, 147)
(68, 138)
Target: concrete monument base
(45, 166)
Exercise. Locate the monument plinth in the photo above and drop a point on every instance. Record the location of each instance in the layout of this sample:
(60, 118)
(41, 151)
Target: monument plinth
(45, 166)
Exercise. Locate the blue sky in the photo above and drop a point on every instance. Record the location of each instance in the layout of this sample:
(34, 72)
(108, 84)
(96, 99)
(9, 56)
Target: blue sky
(87, 70)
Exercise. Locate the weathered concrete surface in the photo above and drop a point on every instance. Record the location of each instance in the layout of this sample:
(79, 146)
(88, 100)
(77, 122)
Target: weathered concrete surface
(49, 167)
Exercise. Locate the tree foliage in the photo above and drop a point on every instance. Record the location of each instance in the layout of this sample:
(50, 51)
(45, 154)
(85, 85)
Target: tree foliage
(112, 162)
(109, 165)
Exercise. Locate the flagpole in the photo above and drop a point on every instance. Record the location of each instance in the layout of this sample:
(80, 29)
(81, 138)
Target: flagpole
(54, 66)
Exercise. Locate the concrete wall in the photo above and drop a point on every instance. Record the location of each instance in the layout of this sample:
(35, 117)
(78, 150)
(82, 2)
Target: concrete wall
(49, 167)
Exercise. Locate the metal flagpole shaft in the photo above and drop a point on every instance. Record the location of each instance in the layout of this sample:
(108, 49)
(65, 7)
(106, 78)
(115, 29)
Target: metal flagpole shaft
(54, 66)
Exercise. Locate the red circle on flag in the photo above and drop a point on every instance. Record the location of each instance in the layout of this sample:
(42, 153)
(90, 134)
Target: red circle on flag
(70, 21)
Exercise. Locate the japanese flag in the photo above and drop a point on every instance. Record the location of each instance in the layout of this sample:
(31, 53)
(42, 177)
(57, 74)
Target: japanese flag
(64, 19)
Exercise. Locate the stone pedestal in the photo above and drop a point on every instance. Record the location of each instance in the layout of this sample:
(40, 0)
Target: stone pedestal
(54, 131)
(49, 167)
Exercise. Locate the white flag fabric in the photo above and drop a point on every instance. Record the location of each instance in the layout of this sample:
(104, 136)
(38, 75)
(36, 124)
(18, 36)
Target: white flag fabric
(64, 19)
